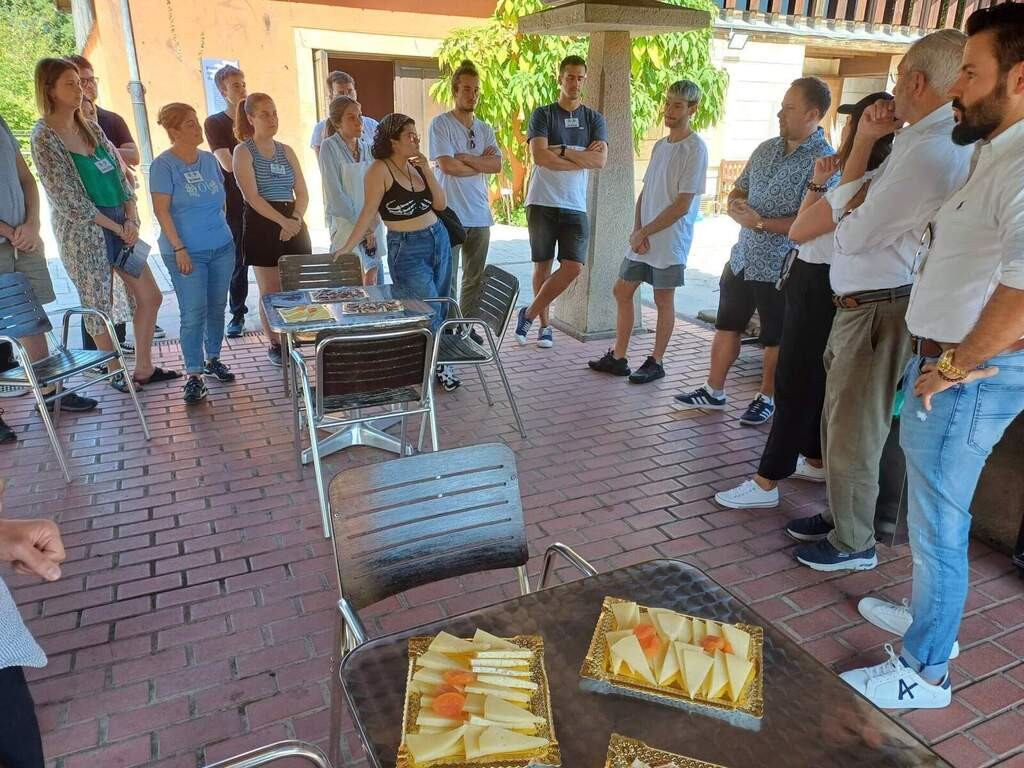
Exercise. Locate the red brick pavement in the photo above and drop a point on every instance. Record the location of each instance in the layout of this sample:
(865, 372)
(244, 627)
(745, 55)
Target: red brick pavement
(194, 618)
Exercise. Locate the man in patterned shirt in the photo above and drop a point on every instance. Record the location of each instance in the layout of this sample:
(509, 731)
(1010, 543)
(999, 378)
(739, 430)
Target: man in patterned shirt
(764, 203)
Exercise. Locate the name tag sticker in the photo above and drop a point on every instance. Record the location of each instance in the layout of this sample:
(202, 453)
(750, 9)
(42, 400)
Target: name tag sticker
(103, 165)
(194, 177)
(572, 122)
(277, 169)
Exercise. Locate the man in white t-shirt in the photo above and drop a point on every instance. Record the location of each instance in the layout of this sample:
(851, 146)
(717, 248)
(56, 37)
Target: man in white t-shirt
(340, 84)
(466, 152)
(662, 233)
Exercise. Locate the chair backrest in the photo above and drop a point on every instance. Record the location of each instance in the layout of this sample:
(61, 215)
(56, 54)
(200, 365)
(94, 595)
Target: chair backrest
(497, 301)
(728, 172)
(21, 314)
(319, 270)
(412, 521)
(360, 364)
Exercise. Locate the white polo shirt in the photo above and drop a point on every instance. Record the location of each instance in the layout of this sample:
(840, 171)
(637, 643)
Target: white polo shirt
(977, 243)
(875, 244)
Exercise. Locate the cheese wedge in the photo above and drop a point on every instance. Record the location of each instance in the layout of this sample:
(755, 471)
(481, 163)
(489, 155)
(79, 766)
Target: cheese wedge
(738, 639)
(445, 643)
(698, 631)
(428, 718)
(612, 638)
(629, 651)
(712, 628)
(471, 742)
(495, 741)
(480, 637)
(523, 653)
(507, 682)
(719, 678)
(690, 647)
(696, 666)
(627, 615)
(740, 672)
(509, 694)
(439, 661)
(668, 670)
(674, 626)
(425, 747)
(501, 711)
(428, 676)
(483, 721)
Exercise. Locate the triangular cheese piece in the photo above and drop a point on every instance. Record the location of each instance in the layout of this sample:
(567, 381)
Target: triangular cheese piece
(740, 671)
(719, 677)
(738, 639)
(696, 666)
(627, 615)
(668, 670)
(628, 650)
(481, 638)
(612, 638)
(425, 747)
(445, 643)
(698, 631)
(500, 741)
(674, 626)
(439, 661)
(502, 711)
(712, 628)
(471, 741)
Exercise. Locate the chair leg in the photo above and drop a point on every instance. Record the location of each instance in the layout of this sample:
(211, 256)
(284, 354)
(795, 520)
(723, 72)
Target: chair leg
(56, 403)
(483, 383)
(402, 437)
(511, 397)
(296, 426)
(135, 398)
(52, 433)
(314, 447)
(337, 652)
(433, 429)
(524, 580)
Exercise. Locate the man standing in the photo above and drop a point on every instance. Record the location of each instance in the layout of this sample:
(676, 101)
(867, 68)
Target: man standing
(662, 233)
(872, 268)
(466, 151)
(340, 84)
(220, 135)
(764, 203)
(967, 319)
(567, 139)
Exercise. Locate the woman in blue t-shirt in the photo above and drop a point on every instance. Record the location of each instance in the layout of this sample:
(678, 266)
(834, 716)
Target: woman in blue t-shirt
(196, 244)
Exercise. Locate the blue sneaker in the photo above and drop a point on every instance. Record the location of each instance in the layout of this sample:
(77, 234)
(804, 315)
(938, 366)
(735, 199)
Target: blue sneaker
(545, 337)
(813, 528)
(822, 556)
(522, 326)
(758, 412)
(701, 399)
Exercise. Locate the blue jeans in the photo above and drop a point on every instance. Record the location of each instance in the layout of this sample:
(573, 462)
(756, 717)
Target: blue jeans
(946, 449)
(202, 296)
(420, 264)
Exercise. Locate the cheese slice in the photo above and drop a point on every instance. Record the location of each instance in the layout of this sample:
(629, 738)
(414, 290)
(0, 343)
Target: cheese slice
(740, 671)
(738, 639)
(712, 628)
(668, 670)
(674, 626)
(719, 678)
(689, 647)
(425, 747)
(510, 694)
(483, 721)
(627, 615)
(696, 666)
(445, 643)
(471, 741)
(525, 653)
(698, 631)
(507, 671)
(430, 719)
(612, 638)
(629, 651)
(500, 741)
(480, 637)
(439, 661)
(428, 676)
(501, 711)
(490, 662)
(507, 682)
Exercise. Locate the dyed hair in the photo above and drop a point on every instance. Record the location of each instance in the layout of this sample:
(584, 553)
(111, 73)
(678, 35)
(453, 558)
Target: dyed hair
(246, 108)
(1006, 21)
(335, 112)
(389, 129)
(687, 90)
(223, 74)
(48, 72)
(173, 115)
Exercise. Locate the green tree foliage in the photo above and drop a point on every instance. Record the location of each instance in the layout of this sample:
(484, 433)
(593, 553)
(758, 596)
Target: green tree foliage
(29, 30)
(518, 72)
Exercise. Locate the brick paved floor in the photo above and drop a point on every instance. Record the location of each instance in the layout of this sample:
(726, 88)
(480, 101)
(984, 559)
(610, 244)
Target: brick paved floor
(194, 618)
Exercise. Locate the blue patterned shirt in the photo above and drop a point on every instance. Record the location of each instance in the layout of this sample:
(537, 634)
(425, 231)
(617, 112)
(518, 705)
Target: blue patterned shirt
(775, 184)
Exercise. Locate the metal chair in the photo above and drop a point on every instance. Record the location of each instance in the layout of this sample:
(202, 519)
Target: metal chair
(492, 313)
(359, 371)
(417, 520)
(277, 751)
(319, 270)
(22, 315)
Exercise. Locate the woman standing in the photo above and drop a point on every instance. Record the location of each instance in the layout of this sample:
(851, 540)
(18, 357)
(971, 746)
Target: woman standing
(344, 159)
(269, 176)
(400, 187)
(94, 216)
(196, 244)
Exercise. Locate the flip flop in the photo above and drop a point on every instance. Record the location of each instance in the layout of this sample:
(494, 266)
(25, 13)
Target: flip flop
(158, 375)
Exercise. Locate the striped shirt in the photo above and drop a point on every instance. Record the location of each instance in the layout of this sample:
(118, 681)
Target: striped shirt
(275, 179)
(17, 647)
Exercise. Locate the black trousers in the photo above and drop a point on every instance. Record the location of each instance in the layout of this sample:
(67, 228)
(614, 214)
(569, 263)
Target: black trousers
(238, 290)
(88, 342)
(800, 375)
(20, 743)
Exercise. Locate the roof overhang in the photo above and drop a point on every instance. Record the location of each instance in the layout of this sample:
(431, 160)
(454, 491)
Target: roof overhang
(825, 32)
(638, 17)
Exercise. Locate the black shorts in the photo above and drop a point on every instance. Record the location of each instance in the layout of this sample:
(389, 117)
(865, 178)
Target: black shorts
(262, 245)
(557, 226)
(738, 300)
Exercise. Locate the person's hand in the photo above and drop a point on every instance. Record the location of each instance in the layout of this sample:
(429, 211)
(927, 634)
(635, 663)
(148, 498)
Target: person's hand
(25, 237)
(290, 228)
(597, 146)
(490, 152)
(744, 215)
(420, 160)
(878, 120)
(184, 262)
(33, 547)
(463, 157)
(930, 383)
(371, 240)
(824, 169)
(129, 232)
(638, 242)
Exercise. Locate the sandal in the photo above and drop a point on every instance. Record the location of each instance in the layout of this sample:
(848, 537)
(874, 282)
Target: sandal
(120, 383)
(158, 375)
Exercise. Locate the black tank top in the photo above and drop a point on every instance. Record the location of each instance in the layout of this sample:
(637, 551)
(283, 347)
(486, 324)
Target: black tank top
(401, 204)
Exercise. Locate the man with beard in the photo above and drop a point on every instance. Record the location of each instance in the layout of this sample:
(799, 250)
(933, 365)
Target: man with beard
(965, 383)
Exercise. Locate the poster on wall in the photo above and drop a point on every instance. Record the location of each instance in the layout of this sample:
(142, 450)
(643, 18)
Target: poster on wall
(214, 101)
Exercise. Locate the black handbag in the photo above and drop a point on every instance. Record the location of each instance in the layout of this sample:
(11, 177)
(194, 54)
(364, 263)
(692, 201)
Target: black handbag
(450, 219)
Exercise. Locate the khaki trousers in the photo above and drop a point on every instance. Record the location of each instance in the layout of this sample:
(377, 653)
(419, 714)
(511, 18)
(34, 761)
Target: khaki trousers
(866, 355)
(473, 254)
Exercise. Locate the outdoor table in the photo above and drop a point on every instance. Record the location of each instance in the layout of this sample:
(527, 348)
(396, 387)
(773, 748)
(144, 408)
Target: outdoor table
(413, 312)
(812, 718)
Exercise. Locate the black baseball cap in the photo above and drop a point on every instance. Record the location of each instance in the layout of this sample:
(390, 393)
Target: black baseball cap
(867, 101)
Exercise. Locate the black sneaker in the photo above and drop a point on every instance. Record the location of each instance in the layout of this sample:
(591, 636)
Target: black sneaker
(74, 403)
(158, 332)
(616, 366)
(758, 412)
(701, 399)
(195, 390)
(128, 348)
(650, 371)
(476, 336)
(822, 556)
(274, 355)
(236, 326)
(814, 528)
(7, 435)
(214, 367)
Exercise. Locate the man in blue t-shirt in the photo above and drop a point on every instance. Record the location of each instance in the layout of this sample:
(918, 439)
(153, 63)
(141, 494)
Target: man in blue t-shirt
(566, 139)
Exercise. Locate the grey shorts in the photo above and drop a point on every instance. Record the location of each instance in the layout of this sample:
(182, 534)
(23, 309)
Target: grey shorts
(638, 272)
(32, 264)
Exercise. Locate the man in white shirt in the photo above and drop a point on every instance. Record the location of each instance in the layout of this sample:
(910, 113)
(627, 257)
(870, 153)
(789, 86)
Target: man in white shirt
(965, 383)
(466, 152)
(872, 269)
(340, 84)
(662, 233)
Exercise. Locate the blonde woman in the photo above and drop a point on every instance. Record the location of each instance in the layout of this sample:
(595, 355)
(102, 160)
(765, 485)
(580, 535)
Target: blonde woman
(271, 181)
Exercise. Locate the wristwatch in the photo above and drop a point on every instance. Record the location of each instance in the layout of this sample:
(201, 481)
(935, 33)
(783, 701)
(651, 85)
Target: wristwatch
(947, 370)
(760, 225)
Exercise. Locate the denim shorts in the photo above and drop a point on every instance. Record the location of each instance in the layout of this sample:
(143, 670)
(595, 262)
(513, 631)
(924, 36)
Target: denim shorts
(549, 226)
(119, 255)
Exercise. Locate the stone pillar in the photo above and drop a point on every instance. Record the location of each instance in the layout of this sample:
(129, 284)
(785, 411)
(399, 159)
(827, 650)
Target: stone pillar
(587, 309)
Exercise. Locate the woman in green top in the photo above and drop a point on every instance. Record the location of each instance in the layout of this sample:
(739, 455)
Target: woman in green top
(94, 216)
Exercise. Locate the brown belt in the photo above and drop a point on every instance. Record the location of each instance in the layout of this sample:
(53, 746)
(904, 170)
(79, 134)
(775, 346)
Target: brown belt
(932, 348)
(854, 300)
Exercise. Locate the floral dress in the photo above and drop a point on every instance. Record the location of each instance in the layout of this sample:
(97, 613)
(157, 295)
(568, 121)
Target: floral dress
(82, 248)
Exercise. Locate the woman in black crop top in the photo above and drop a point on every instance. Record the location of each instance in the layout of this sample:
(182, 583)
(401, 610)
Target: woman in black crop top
(400, 185)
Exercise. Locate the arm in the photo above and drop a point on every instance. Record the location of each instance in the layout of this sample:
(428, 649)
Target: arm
(301, 191)
(339, 201)
(60, 179)
(489, 162)
(129, 152)
(546, 157)
(373, 193)
(815, 215)
(162, 209)
(456, 166)
(223, 156)
(25, 236)
(439, 200)
(595, 156)
(246, 178)
(220, 150)
(670, 215)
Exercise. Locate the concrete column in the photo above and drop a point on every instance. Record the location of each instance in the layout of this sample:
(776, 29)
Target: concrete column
(587, 310)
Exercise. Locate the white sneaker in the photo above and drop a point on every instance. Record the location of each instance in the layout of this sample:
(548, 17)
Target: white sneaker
(894, 685)
(808, 472)
(748, 495)
(9, 391)
(892, 617)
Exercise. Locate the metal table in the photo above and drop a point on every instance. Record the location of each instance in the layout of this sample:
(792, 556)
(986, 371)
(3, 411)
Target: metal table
(413, 312)
(812, 718)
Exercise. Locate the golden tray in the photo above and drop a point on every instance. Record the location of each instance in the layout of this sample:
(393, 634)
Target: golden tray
(540, 705)
(596, 667)
(622, 751)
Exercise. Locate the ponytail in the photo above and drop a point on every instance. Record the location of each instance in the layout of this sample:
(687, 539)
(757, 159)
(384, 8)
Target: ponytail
(243, 125)
(335, 112)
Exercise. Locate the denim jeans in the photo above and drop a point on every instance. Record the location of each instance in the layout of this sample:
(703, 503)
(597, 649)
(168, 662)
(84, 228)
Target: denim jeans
(202, 296)
(946, 449)
(420, 264)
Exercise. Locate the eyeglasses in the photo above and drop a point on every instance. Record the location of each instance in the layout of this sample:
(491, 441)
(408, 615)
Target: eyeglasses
(923, 248)
(472, 139)
(90, 81)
